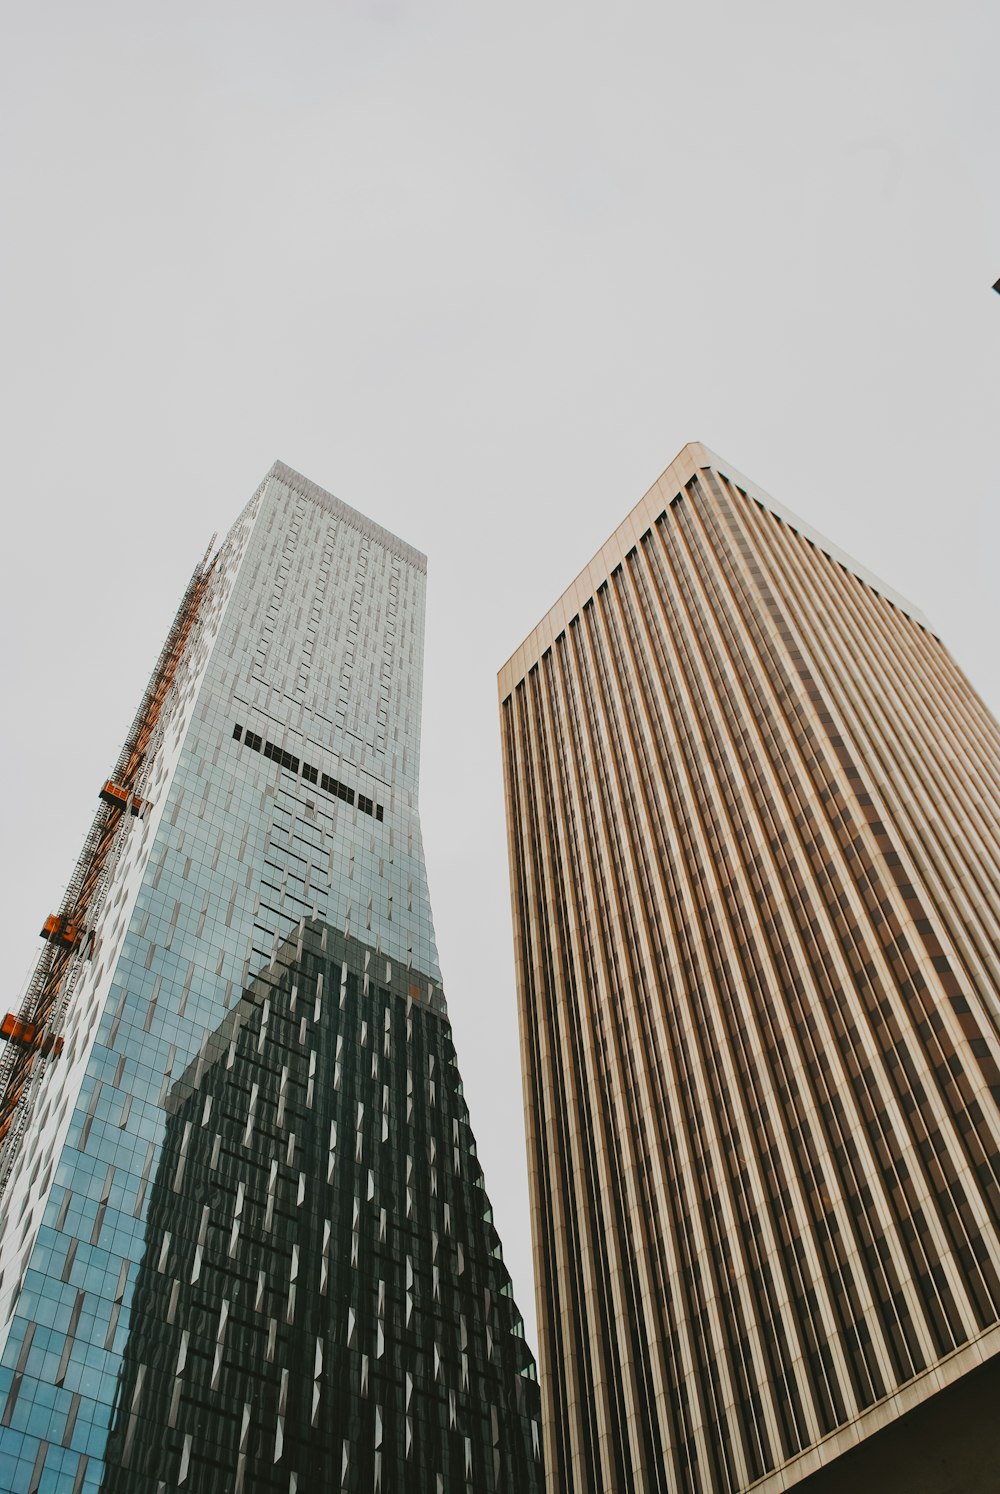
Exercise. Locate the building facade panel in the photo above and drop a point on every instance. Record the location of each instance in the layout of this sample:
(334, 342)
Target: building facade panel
(752, 811)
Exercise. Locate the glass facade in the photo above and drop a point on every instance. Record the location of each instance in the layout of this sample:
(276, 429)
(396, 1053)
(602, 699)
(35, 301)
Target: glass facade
(244, 1238)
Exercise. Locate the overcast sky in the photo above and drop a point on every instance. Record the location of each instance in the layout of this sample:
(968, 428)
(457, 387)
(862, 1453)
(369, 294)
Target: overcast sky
(481, 270)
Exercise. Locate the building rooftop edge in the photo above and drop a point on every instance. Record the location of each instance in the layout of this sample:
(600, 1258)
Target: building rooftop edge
(692, 457)
(349, 515)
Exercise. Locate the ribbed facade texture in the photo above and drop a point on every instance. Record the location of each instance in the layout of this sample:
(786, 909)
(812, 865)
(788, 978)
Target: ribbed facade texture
(754, 829)
(245, 1244)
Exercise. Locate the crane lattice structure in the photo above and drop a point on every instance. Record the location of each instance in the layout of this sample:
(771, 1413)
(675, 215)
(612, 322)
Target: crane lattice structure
(33, 1034)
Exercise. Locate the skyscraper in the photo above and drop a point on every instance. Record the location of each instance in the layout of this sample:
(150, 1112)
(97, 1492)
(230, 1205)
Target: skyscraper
(244, 1239)
(753, 828)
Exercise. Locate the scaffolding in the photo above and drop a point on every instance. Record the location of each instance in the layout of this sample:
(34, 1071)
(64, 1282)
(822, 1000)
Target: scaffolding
(31, 1036)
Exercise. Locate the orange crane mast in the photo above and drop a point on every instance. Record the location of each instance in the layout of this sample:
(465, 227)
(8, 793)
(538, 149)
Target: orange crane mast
(32, 1035)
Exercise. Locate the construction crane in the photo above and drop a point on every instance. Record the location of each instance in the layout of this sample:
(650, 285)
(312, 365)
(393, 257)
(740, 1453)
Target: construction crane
(32, 1034)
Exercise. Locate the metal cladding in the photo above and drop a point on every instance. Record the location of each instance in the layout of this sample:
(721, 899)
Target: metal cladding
(754, 841)
(245, 1242)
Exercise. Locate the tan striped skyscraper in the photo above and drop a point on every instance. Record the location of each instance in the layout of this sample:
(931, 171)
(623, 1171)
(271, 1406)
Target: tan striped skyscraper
(754, 827)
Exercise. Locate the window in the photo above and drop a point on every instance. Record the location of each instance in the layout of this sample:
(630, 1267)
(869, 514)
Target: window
(309, 773)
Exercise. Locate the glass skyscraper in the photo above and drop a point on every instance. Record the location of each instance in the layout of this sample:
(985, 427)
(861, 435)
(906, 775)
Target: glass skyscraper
(244, 1239)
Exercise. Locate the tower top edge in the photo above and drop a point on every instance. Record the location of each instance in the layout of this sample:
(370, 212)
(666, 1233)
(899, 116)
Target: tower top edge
(809, 532)
(692, 458)
(350, 516)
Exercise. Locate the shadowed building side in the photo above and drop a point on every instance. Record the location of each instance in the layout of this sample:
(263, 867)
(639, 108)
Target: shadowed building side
(322, 1302)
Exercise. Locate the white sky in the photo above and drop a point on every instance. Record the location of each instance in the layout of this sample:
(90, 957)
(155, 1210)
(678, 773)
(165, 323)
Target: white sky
(481, 270)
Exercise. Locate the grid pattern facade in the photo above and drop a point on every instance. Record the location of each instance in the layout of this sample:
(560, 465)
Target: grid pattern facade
(132, 1168)
(320, 1271)
(753, 827)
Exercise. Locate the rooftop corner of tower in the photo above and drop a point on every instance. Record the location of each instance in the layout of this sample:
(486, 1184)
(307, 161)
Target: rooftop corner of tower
(694, 457)
(689, 460)
(699, 453)
(759, 495)
(290, 478)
